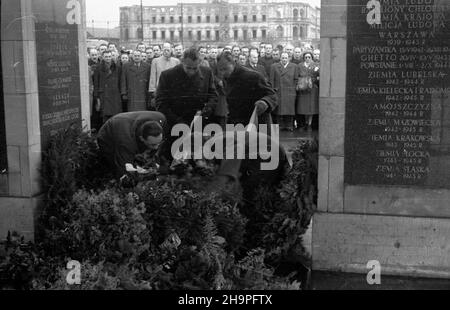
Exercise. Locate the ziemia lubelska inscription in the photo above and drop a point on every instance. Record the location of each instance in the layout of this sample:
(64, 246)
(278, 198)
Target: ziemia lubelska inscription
(397, 128)
(57, 50)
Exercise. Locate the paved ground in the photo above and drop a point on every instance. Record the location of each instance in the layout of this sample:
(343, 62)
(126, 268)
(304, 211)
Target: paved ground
(321, 280)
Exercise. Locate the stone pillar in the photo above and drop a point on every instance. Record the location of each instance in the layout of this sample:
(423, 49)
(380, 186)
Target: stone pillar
(36, 102)
(381, 197)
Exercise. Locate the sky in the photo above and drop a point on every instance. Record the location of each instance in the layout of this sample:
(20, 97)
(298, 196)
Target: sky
(102, 11)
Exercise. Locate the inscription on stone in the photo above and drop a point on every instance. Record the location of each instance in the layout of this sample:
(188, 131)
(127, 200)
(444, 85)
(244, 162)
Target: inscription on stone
(58, 70)
(398, 86)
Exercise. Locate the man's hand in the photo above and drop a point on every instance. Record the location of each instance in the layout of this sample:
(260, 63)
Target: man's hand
(124, 98)
(261, 107)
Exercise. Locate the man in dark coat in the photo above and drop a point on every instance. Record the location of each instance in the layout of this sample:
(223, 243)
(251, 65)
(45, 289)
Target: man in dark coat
(125, 135)
(245, 89)
(253, 64)
(107, 87)
(134, 83)
(267, 61)
(185, 89)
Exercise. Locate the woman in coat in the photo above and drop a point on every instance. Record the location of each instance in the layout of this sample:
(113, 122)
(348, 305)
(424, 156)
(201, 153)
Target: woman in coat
(284, 77)
(308, 87)
(107, 87)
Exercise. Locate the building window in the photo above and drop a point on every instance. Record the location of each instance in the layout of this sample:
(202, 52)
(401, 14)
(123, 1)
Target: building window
(264, 18)
(295, 13)
(154, 19)
(217, 35)
(139, 33)
(263, 33)
(189, 19)
(217, 18)
(180, 34)
(208, 19)
(127, 34)
(280, 32)
(163, 34)
(235, 18)
(199, 19)
(172, 35)
(254, 34)
(171, 19)
(180, 19)
(208, 34)
(199, 35)
(226, 18)
(190, 34)
(154, 35)
(163, 19)
(254, 18)
(235, 34)
(302, 32)
(295, 33)
(244, 33)
(245, 18)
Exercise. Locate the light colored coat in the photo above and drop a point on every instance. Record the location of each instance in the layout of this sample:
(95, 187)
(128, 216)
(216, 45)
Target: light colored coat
(159, 65)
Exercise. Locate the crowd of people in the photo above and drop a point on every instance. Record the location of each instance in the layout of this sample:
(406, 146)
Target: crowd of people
(130, 80)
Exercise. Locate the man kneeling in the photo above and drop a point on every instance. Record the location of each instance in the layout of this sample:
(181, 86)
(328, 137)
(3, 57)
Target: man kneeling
(125, 135)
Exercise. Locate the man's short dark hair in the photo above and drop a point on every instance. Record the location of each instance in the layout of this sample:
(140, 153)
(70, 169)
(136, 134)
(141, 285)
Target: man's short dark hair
(226, 55)
(106, 52)
(151, 128)
(191, 53)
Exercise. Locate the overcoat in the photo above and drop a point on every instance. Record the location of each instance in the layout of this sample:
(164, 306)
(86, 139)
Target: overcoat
(243, 88)
(267, 62)
(259, 68)
(179, 97)
(134, 84)
(284, 81)
(118, 139)
(308, 100)
(107, 88)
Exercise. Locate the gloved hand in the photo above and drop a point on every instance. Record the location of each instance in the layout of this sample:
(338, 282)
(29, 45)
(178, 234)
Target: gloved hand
(124, 98)
(261, 107)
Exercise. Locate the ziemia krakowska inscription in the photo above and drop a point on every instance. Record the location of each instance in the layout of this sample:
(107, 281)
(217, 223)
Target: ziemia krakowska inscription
(397, 129)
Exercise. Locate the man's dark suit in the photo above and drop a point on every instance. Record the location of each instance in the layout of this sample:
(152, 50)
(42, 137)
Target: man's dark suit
(134, 85)
(266, 62)
(118, 138)
(179, 97)
(258, 68)
(243, 88)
